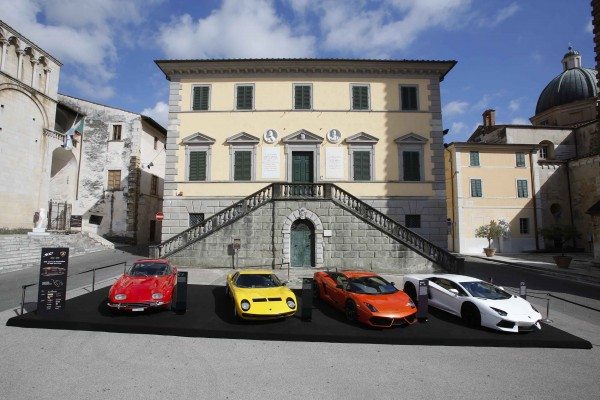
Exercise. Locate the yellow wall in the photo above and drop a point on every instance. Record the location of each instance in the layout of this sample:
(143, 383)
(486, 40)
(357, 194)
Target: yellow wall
(331, 109)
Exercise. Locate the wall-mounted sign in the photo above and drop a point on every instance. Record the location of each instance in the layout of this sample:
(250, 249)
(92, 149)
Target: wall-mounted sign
(52, 289)
(75, 221)
(334, 163)
(270, 163)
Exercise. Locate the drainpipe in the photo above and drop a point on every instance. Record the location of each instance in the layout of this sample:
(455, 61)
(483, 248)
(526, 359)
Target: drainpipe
(452, 197)
(534, 198)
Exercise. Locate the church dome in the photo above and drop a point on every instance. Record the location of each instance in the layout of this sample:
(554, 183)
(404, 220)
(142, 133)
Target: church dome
(575, 83)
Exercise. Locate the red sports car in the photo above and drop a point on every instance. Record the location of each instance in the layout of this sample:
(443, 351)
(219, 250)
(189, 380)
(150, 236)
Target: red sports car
(148, 284)
(365, 297)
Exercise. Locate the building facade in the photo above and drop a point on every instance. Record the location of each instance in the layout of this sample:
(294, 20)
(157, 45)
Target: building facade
(28, 95)
(373, 128)
(117, 188)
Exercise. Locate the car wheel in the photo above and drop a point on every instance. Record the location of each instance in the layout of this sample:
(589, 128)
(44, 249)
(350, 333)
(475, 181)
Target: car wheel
(235, 314)
(350, 311)
(411, 291)
(227, 290)
(471, 315)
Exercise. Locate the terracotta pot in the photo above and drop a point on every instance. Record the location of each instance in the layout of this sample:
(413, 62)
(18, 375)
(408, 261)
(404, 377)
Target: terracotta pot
(489, 252)
(562, 261)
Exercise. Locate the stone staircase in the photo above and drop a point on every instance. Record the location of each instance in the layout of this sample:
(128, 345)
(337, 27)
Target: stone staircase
(23, 251)
(299, 195)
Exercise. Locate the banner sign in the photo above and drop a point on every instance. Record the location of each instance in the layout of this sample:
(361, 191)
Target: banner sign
(52, 289)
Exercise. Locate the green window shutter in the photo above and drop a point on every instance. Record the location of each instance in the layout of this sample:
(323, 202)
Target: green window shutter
(476, 188)
(520, 159)
(244, 97)
(200, 101)
(474, 158)
(362, 165)
(409, 97)
(302, 99)
(522, 188)
(242, 169)
(197, 166)
(412, 166)
(360, 97)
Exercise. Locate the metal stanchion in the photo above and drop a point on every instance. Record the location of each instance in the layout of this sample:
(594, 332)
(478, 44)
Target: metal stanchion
(547, 320)
(93, 279)
(24, 288)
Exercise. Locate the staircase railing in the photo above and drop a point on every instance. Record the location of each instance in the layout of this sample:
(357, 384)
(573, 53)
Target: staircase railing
(312, 191)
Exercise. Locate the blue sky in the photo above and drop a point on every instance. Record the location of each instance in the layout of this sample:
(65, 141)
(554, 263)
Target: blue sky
(507, 51)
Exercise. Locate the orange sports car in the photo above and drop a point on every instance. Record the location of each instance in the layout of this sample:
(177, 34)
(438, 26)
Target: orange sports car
(365, 297)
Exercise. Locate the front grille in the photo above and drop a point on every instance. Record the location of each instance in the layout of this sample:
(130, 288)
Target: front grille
(259, 300)
(527, 328)
(381, 321)
(505, 324)
(274, 298)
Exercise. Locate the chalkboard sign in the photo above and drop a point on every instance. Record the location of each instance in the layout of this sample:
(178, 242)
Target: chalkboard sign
(53, 280)
(75, 221)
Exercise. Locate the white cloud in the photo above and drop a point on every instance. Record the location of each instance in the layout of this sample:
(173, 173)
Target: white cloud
(514, 105)
(160, 113)
(82, 36)
(458, 128)
(483, 103)
(520, 121)
(504, 14)
(455, 107)
(243, 29)
(589, 27)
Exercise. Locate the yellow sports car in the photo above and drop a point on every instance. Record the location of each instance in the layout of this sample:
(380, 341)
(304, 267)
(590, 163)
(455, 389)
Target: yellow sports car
(259, 294)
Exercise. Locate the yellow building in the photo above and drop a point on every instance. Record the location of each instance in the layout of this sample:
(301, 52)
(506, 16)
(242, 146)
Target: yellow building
(371, 127)
(487, 181)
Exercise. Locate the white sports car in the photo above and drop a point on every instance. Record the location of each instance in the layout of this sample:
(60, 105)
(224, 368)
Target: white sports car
(477, 302)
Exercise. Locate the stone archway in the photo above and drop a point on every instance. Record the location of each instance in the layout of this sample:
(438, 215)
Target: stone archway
(286, 231)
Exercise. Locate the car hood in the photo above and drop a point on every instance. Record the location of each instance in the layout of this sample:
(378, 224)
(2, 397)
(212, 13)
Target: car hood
(140, 285)
(253, 293)
(513, 305)
(385, 302)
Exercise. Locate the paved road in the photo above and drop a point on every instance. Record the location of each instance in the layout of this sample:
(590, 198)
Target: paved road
(12, 281)
(506, 275)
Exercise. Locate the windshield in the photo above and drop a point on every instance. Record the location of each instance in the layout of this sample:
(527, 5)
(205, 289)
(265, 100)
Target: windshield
(148, 269)
(371, 285)
(485, 290)
(257, 281)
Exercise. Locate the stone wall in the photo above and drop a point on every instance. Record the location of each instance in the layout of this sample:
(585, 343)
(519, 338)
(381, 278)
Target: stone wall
(264, 241)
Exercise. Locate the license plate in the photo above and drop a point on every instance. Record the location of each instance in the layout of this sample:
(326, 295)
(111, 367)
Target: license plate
(137, 309)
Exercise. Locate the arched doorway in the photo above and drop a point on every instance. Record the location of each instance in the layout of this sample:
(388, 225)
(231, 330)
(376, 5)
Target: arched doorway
(302, 243)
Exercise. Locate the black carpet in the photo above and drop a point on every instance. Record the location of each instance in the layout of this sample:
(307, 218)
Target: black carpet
(210, 314)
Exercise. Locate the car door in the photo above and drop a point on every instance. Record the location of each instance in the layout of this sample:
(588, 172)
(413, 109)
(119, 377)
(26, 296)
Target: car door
(442, 297)
(335, 289)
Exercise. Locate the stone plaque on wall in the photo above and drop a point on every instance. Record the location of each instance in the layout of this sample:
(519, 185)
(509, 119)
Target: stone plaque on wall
(334, 163)
(270, 163)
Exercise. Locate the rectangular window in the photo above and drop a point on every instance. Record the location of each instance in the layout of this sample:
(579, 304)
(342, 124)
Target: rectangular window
(114, 180)
(362, 165)
(116, 134)
(200, 98)
(408, 97)
(360, 97)
(302, 97)
(522, 188)
(544, 152)
(244, 97)
(412, 166)
(95, 219)
(476, 188)
(242, 167)
(524, 226)
(520, 159)
(154, 185)
(412, 221)
(195, 218)
(474, 158)
(197, 166)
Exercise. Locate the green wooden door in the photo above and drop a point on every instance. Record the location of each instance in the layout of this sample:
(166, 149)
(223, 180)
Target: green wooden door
(302, 244)
(302, 166)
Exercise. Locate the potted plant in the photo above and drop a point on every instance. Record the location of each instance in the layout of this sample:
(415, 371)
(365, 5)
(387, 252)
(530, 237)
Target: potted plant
(560, 234)
(493, 230)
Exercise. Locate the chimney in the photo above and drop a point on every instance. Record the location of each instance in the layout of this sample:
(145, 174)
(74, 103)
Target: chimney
(489, 117)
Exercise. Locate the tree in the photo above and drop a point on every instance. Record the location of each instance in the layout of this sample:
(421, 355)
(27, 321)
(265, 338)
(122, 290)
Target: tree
(493, 230)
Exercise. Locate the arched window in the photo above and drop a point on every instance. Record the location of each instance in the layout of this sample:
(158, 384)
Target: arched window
(546, 149)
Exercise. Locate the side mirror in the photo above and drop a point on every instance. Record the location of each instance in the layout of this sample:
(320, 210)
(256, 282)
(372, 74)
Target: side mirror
(501, 287)
(393, 283)
(284, 283)
(453, 291)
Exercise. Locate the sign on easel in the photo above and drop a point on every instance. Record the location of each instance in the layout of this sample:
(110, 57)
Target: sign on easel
(52, 289)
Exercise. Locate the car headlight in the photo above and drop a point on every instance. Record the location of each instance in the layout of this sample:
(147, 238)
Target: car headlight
(120, 297)
(245, 304)
(157, 296)
(499, 311)
(290, 303)
(371, 307)
(410, 304)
